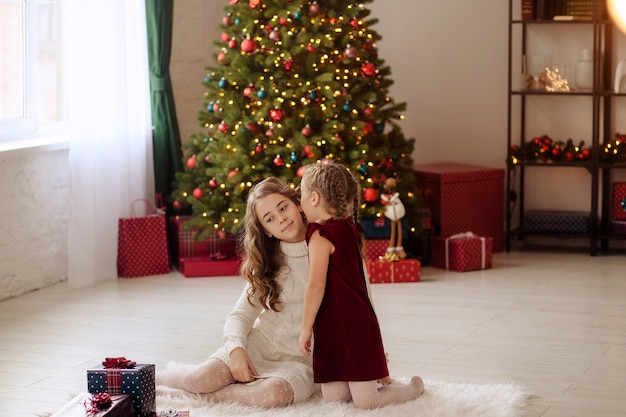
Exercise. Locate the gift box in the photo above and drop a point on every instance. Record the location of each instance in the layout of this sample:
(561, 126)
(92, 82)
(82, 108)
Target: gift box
(619, 201)
(381, 228)
(461, 252)
(406, 270)
(618, 227)
(549, 221)
(463, 197)
(374, 248)
(136, 381)
(208, 267)
(184, 244)
(122, 406)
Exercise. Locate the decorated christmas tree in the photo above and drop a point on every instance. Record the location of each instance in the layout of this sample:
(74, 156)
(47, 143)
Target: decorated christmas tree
(295, 82)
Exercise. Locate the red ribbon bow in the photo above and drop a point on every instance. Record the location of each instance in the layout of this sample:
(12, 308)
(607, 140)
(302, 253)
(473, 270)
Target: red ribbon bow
(118, 363)
(97, 403)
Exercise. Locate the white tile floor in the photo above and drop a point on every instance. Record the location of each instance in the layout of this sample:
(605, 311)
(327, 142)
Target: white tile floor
(554, 322)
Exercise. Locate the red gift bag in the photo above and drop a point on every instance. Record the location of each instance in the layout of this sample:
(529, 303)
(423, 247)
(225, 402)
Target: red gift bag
(142, 244)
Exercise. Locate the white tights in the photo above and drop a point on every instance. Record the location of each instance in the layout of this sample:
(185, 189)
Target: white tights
(214, 379)
(366, 394)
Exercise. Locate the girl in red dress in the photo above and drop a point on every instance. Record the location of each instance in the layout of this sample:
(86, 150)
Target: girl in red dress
(348, 354)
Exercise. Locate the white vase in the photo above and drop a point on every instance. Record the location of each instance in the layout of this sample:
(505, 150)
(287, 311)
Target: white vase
(584, 70)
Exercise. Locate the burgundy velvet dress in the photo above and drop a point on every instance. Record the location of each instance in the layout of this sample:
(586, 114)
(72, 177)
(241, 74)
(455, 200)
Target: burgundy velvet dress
(347, 344)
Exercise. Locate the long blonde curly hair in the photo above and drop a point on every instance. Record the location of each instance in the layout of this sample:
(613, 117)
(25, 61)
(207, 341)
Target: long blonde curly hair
(263, 258)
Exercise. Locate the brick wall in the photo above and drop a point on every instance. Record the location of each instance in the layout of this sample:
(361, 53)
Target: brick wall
(33, 221)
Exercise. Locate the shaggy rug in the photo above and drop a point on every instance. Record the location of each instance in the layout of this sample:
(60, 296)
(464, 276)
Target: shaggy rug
(440, 399)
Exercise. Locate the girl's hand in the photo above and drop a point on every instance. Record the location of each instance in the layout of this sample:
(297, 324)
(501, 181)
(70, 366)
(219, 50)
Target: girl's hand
(304, 342)
(241, 367)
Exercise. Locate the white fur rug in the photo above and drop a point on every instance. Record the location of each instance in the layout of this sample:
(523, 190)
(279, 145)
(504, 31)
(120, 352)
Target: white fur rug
(440, 399)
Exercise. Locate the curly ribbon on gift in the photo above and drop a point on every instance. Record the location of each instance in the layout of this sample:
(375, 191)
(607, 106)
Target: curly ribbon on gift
(98, 402)
(466, 235)
(169, 413)
(118, 363)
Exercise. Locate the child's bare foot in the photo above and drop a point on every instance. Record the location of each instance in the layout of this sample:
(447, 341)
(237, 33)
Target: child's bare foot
(418, 384)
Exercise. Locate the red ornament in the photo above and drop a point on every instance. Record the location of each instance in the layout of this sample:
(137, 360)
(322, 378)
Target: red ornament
(233, 1)
(226, 20)
(177, 205)
(277, 115)
(248, 91)
(213, 183)
(198, 193)
(354, 23)
(232, 173)
(254, 3)
(221, 58)
(248, 45)
(368, 69)
(269, 132)
(278, 161)
(300, 171)
(225, 37)
(191, 162)
(222, 127)
(370, 195)
(253, 128)
(306, 131)
(275, 35)
(258, 149)
(232, 43)
(556, 152)
(369, 128)
(314, 8)
(310, 48)
(569, 155)
(350, 51)
(287, 65)
(283, 21)
(585, 153)
(308, 152)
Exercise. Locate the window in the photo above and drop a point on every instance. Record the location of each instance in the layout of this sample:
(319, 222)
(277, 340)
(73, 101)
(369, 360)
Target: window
(32, 87)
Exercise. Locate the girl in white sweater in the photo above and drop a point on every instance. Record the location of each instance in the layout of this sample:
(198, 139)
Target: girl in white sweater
(259, 363)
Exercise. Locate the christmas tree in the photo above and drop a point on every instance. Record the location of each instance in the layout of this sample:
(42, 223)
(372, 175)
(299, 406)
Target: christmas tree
(295, 82)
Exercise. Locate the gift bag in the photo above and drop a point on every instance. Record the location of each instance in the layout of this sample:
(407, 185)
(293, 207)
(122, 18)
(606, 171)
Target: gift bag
(142, 244)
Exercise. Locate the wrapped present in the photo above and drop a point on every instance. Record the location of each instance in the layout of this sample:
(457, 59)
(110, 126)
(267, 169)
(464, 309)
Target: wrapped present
(381, 228)
(184, 244)
(618, 211)
(553, 221)
(463, 197)
(121, 376)
(208, 267)
(618, 227)
(375, 248)
(89, 405)
(461, 252)
(406, 270)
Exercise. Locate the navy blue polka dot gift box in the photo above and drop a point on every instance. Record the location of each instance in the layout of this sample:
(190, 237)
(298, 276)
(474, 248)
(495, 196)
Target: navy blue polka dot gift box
(121, 376)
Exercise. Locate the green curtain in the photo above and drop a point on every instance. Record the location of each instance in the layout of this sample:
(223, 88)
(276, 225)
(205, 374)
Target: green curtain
(166, 135)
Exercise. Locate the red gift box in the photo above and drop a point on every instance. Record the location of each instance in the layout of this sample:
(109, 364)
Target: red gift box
(207, 267)
(619, 201)
(375, 248)
(184, 244)
(122, 407)
(463, 197)
(406, 270)
(462, 252)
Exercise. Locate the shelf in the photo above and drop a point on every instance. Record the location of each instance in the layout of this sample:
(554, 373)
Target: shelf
(555, 93)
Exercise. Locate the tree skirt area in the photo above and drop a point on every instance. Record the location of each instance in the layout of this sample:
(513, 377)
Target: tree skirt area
(440, 399)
